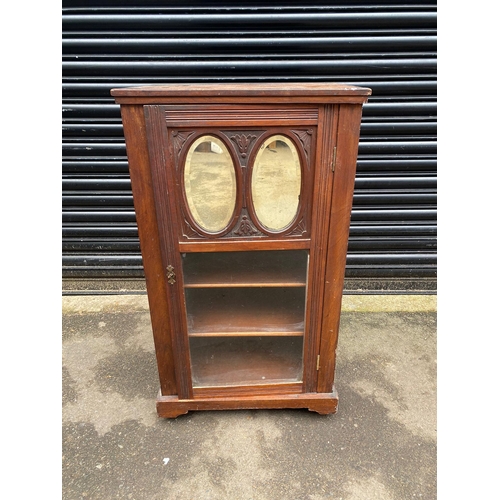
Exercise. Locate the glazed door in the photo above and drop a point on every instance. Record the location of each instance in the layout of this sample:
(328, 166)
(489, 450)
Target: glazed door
(239, 230)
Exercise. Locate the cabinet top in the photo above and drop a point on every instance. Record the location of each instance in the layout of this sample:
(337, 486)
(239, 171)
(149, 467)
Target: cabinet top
(313, 92)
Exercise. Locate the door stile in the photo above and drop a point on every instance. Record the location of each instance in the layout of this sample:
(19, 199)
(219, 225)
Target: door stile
(163, 177)
(328, 118)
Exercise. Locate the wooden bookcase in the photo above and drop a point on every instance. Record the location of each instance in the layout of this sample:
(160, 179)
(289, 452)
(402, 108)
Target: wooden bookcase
(243, 196)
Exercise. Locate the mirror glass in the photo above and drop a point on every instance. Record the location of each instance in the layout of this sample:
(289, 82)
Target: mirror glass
(210, 183)
(276, 183)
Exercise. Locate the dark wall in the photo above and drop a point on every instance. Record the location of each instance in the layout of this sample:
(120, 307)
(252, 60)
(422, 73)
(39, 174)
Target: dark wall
(390, 48)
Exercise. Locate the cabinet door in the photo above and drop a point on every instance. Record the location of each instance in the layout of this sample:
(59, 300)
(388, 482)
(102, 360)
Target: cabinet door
(239, 234)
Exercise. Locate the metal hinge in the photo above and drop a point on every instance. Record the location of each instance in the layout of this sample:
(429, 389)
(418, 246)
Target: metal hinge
(334, 159)
(317, 363)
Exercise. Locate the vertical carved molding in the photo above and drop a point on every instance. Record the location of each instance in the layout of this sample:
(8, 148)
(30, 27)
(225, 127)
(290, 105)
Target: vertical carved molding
(167, 210)
(322, 194)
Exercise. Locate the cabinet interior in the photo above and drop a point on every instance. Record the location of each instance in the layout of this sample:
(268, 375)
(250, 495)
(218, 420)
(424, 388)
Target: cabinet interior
(245, 316)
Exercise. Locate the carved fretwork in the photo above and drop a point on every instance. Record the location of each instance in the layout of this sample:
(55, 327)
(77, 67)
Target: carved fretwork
(244, 141)
(305, 138)
(188, 230)
(300, 229)
(179, 139)
(246, 228)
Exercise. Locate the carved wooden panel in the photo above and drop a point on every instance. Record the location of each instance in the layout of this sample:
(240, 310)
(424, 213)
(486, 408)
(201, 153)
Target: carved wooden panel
(244, 145)
(219, 115)
(244, 141)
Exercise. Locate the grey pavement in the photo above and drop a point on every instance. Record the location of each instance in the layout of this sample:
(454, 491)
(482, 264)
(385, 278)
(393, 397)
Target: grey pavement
(381, 444)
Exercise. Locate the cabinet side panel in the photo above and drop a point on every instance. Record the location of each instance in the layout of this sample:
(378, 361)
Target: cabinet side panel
(142, 188)
(343, 188)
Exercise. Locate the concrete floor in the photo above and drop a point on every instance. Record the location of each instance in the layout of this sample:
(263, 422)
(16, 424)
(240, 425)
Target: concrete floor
(381, 444)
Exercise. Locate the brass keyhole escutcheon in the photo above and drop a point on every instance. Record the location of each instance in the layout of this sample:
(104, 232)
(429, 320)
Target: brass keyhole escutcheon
(170, 275)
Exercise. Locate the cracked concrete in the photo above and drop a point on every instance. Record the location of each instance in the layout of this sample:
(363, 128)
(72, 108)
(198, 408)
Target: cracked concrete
(381, 444)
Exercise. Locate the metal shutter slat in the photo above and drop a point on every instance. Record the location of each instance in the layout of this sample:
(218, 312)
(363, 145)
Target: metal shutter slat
(390, 48)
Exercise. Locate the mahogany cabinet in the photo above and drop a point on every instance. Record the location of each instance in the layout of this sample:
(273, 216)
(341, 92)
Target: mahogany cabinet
(243, 196)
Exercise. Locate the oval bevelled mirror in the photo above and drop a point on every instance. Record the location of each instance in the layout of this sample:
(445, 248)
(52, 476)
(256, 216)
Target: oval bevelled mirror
(210, 184)
(276, 183)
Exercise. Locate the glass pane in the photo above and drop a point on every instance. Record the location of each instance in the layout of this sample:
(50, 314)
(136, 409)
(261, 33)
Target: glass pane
(245, 316)
(276, 182)
(238, 269)
(221, 361)
(245, 310)
(210, 184)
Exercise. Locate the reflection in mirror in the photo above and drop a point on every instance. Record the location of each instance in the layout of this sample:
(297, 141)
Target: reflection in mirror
(276, 183)
(210, 183)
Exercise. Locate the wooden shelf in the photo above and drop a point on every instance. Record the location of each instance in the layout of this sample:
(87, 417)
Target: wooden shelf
(280, 268)
(250, 333)
(234, 361)
(245, 311)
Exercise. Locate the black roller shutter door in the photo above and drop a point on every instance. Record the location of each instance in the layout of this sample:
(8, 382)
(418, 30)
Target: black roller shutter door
(388, 47)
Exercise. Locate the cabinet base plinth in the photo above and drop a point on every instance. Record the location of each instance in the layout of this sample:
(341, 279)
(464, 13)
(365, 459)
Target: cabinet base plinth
(322, 403)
